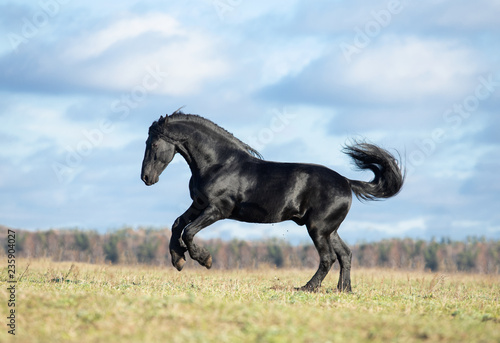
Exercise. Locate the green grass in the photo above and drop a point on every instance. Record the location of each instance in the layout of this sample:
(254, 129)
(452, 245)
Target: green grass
(61, 302)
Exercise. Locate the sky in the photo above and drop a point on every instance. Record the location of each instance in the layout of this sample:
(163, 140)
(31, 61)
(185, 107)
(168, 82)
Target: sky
(82, 81)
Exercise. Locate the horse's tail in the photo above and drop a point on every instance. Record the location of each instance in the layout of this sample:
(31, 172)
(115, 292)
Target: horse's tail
(389, 175)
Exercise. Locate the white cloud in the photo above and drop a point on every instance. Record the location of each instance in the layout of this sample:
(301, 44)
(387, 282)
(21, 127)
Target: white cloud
(98, 42)
(240, 12)
(412, 68)
(37, 123)
(286, 58)
(461, 15)
(102, 60)
(400, 228)
(33, 125)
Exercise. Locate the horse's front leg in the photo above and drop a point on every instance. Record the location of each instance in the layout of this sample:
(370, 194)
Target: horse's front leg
(177, 246)
(209, 216)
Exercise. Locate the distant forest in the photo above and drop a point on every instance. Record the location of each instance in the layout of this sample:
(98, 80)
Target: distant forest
(150, 246)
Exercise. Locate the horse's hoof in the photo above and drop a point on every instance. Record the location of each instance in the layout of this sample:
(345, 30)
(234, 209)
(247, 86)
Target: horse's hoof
(180, 264)
(208, 262)
(178, 261)
(344, 288)
(307, 288)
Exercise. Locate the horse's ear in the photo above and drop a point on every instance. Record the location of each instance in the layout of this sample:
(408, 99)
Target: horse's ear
(179, 110)
(163, 120)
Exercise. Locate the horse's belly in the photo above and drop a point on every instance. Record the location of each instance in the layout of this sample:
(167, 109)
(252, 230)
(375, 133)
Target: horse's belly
(264, 213)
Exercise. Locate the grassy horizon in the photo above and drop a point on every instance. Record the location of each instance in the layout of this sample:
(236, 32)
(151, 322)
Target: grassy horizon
(76, 302)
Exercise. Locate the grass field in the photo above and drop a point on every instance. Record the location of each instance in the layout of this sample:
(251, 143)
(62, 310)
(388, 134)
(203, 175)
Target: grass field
(65, 302)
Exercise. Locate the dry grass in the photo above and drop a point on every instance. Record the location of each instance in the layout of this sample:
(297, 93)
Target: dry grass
(64, 302)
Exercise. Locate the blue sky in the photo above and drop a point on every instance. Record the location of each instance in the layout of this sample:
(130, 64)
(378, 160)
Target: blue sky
(81, 81)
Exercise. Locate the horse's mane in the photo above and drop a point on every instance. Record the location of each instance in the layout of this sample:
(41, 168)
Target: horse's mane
(194, 118)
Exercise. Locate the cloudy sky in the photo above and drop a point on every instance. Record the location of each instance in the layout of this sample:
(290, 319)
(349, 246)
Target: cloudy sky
(81, 81)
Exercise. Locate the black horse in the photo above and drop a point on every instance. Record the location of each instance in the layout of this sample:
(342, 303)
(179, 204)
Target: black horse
(231, 180)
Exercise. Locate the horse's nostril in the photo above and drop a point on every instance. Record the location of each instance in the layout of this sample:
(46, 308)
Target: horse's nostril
(145, 178)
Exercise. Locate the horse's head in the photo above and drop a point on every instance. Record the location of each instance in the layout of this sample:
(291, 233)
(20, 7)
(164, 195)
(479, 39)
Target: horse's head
(159, 152)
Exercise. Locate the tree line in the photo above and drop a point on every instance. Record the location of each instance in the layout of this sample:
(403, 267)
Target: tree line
(150, 246)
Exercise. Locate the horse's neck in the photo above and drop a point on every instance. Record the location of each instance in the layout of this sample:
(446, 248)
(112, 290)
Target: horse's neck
(200, 152)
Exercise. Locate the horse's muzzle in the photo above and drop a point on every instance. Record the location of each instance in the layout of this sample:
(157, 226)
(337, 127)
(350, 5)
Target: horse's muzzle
(149, 181)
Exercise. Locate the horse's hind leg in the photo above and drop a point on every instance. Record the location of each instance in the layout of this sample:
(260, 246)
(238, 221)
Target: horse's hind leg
(327, 257)
(345, 256)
